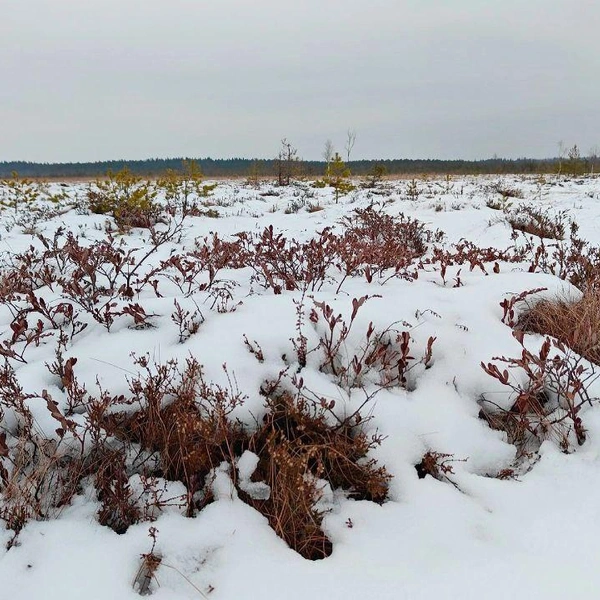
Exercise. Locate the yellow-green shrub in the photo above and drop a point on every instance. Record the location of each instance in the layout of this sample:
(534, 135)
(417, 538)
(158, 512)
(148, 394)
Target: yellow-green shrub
(125, 196)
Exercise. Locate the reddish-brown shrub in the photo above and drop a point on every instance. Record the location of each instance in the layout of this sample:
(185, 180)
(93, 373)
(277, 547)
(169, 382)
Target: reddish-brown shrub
(438, 465)
(548, 404)
(537, 221)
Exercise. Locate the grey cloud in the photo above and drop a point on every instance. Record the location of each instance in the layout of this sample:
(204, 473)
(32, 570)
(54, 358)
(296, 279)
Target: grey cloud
(416, 78)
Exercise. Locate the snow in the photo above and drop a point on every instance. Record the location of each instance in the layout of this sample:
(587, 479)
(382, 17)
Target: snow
(246, 465)
(475, 536)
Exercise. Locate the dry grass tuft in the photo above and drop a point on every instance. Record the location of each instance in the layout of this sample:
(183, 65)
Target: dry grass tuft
(300, 452)
(574, 323)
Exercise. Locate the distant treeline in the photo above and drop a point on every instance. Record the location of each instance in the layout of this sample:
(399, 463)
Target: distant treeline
(235, 167)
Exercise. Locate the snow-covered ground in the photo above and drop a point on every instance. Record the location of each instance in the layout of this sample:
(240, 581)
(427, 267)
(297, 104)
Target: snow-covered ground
(468, 534)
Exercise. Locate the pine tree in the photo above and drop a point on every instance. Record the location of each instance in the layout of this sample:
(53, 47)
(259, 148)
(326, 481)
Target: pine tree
(339, 177)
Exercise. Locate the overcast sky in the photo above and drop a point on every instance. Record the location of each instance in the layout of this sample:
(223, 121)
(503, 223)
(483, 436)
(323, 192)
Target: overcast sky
(99, 79)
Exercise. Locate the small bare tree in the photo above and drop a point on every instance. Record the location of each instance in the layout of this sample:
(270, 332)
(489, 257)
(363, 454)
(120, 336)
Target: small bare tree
(562, 152)
(350, 141)
(328, 153)
(287, 163)
(593, 154)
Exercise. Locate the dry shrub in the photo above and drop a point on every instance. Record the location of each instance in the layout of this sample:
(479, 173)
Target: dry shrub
(537, 221)
(575, 323)
(505, 190)
(290, 508)
(375, 244)
(146, 573)
(175, 426)
(39, 473)
(41, 478)
(191, 442)
(280, 263)
(385, 355)
(151, 561)
(118, 508)
(185, 420)
(526, 424)
(298, 451)
(371, 243)
(465, 252)
(579, 262)
(574, 260)
(438, 465)
(547, 404)
(383, 241)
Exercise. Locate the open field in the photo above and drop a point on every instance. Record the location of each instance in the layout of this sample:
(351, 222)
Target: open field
(226, 390)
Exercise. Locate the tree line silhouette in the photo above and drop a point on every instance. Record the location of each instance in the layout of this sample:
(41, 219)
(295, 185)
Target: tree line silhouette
(240, 167)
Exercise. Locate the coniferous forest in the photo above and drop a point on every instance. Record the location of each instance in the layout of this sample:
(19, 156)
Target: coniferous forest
(239, 167)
